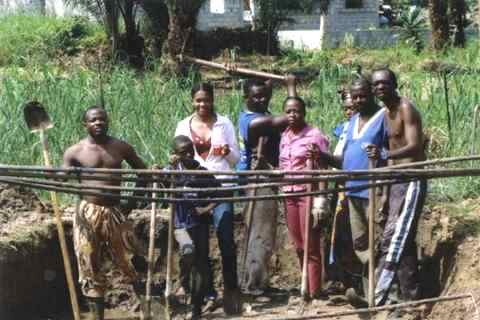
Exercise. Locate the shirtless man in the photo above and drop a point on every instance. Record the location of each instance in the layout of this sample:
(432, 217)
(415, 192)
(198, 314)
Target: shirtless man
(398, 262)
(101, 233)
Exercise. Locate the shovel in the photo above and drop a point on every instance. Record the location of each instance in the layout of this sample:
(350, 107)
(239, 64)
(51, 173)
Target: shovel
(151, 247)
(306, 240)
(249, 223)
(168, 288)
(371, 240)
(37, 120)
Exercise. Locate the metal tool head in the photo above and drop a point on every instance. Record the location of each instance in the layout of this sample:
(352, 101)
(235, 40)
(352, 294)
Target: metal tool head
(36, 117)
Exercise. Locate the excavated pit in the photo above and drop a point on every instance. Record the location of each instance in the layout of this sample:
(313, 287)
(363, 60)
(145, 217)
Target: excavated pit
(33, 286)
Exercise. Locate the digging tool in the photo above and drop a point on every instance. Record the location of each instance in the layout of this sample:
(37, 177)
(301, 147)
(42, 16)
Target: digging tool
(371, 240)
(168, 288)
(249, 220)
(245, 71)
(37, 120)
(151, 248)
(306, 239)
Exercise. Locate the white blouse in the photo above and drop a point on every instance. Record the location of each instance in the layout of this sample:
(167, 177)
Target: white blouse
(223, 133)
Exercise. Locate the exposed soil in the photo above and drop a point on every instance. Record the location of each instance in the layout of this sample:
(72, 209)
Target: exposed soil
(29, 257)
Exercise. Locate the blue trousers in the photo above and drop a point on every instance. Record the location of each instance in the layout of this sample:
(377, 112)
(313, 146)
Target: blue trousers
(223, 223)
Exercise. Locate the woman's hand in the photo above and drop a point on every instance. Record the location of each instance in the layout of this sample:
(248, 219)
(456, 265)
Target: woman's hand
(225, 150)
(313, 152)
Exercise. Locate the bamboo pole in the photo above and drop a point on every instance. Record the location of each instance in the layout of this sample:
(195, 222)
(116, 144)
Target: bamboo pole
(77, 172)
(221, 66)
(326, 176)
(397, 174)
(206, 200)
(366, 311)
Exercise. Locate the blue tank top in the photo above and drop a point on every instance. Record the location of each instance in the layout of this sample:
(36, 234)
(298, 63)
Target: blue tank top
(354, 153)
(272, 144)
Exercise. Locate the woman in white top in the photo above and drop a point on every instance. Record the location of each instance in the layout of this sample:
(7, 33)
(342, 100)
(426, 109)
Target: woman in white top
(216, 148)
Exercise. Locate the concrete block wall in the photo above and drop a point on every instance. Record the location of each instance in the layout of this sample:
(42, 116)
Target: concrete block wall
(341, 21)
(302, 22)
(231, 18)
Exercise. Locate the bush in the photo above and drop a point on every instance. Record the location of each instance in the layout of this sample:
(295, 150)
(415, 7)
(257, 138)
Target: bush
(28, 39)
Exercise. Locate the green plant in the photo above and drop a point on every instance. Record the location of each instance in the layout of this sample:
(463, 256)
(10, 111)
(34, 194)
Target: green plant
(411, 23)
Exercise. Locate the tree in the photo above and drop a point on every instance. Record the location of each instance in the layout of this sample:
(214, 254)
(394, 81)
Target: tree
(128, 46)
(458, 16)
(324, 4)
(271, 14)
(182, 22)
(156, 24)
(439, 23)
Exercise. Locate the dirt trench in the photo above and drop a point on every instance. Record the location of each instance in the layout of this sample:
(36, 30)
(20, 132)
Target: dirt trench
(32, 282)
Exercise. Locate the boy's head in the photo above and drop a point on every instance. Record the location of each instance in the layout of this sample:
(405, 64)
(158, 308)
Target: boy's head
(183, 151)
(347, 103)
(257, 94)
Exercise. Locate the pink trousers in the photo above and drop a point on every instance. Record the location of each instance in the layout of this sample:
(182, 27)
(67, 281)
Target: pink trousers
(296, 213)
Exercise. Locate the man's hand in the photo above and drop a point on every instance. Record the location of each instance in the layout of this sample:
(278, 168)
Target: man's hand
(373, 152)
(230, 67)
(203, 210)
(290, 79)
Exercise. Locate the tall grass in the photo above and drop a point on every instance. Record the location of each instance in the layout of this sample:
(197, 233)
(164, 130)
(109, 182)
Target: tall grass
(144, 109)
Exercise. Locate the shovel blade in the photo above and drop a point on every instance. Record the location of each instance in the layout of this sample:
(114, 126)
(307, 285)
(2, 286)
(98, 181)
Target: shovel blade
(36, 117)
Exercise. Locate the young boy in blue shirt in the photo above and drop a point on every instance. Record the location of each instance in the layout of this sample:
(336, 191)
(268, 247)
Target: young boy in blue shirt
(191, 223)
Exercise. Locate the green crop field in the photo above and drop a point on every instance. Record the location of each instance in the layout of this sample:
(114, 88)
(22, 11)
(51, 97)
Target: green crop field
(144, 109)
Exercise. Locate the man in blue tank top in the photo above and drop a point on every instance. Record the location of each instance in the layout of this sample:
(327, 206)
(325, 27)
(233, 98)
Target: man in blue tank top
(365, 128)
(257, 122)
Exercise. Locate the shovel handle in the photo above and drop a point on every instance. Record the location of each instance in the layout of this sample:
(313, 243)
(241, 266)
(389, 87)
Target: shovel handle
(61, 235)
(306, 239)
(245, 71)
(371, 240)
(249, 220)
(168, 287)
(151, 249)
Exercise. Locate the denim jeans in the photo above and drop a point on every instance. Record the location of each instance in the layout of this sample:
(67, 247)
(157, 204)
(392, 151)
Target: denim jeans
(222, 218)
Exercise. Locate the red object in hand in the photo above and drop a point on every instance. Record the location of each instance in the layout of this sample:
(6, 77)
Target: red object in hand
(220, 150)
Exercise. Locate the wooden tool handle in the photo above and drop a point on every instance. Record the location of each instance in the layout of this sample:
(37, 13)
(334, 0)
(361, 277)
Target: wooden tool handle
(61, 235)
(245, 71)
(306, 239)
(151, 249)
(371, 240)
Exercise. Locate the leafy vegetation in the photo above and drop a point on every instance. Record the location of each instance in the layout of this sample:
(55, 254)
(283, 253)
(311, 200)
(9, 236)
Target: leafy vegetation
(144, 109)
(31, 39)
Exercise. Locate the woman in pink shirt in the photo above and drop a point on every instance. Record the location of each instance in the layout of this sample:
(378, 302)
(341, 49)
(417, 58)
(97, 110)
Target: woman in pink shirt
(300, 142)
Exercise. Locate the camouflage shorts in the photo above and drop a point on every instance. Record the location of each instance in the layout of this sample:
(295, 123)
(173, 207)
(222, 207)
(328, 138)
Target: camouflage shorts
(103, 239)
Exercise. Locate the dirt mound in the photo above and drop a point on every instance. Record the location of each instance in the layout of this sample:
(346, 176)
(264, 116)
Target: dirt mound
(15, 203)
(460, 270)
